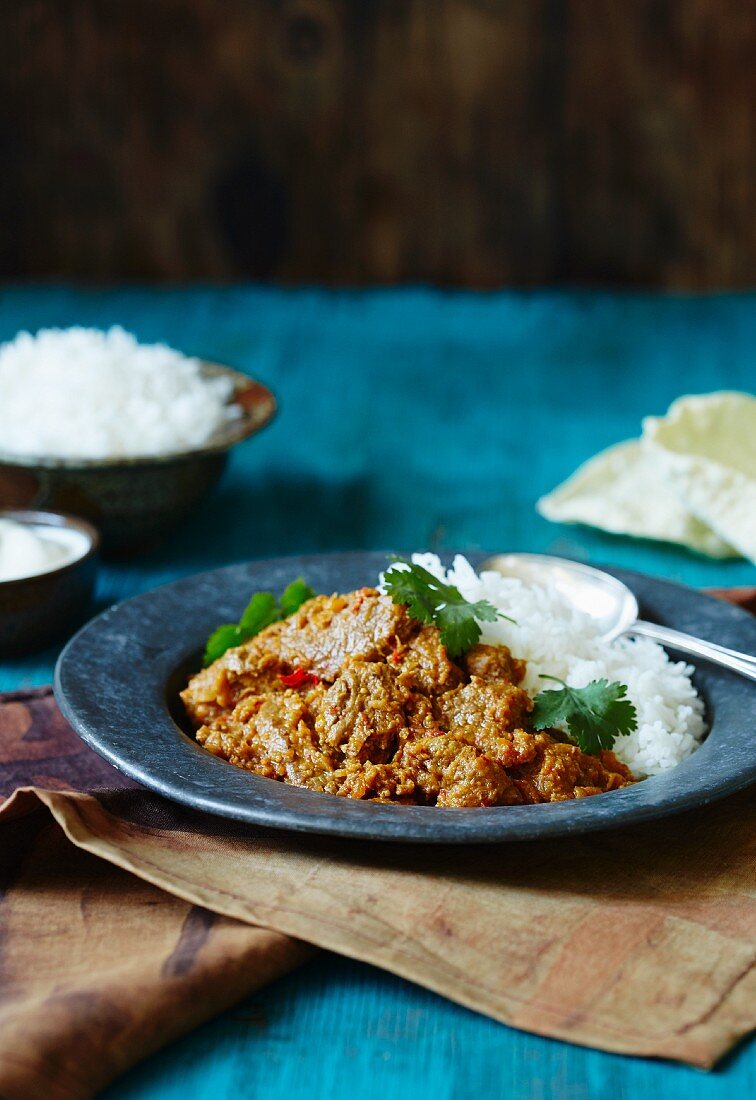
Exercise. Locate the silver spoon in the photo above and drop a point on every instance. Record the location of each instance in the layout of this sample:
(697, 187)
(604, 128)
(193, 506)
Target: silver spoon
(611, 605)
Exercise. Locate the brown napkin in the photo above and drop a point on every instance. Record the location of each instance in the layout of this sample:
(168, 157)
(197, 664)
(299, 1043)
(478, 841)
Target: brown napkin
(641, 941)
(98, 968)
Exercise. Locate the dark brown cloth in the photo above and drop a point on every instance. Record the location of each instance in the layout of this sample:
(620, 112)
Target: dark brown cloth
(125, 920)
(98, 968)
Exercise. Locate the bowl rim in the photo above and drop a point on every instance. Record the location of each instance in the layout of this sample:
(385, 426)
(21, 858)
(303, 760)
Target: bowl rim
(252, 421)
(60, 520)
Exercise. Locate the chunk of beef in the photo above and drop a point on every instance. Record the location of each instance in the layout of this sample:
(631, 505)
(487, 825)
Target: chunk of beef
(493, 662)
(330, 630)
(490, 716)
(559, 770)
(322, 636)
(424, 664)
(271, 734)
(377, 782)
(362, 713)
(452, 772)
(248, 669)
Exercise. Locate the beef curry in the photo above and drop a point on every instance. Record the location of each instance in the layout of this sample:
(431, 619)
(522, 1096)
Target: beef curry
(351, 696)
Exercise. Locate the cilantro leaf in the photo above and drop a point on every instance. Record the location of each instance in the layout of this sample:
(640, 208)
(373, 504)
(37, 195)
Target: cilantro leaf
(459, 630)
(293, 596)
(408, 588)
(487, 613)
(595, 715)
(223, 638)
(430, 600)
(261, 611)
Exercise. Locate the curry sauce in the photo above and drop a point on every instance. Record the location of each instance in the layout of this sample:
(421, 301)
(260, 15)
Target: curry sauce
(351, 696)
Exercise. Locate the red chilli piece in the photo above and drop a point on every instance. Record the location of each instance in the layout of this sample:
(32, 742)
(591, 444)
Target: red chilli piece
(298, 678)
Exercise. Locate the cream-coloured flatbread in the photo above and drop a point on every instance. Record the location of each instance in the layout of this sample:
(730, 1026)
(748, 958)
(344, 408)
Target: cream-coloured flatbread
(705, 450)
(620, 491)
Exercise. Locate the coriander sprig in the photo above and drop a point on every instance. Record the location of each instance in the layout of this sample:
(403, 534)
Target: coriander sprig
(595, 715)
(261, 611)
(430, 600)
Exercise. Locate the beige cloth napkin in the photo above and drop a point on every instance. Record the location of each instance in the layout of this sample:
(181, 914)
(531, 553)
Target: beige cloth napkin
(641, 941)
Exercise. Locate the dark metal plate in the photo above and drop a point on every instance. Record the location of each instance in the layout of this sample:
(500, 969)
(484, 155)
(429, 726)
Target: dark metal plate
(116, 684)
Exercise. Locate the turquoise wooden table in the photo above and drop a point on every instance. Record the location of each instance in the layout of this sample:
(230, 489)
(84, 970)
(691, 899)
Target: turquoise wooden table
(411, 418)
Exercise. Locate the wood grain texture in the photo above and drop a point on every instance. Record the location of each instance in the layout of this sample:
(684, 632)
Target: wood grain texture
(462, 142)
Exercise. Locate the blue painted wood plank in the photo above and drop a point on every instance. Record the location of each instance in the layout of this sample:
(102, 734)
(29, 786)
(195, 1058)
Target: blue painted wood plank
(339, 1028)
(411, 418)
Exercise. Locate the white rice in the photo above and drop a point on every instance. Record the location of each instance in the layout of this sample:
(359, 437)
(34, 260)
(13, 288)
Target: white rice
(555, 639)
(83, 393)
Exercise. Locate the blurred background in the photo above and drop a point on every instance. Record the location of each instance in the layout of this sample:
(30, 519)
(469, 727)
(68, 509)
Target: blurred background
(471, 143)
(161, 160)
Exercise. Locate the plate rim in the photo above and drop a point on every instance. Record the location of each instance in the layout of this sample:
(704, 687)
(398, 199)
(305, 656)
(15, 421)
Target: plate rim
(358, 819)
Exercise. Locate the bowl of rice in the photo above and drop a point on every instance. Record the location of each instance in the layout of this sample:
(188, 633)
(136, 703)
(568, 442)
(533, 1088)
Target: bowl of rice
(130, 436)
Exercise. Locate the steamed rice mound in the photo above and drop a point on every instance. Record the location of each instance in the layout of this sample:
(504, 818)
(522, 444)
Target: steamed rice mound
(81, 393)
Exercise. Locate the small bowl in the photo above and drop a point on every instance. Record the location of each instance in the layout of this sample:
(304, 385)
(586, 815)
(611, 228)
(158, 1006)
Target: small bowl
(38, 610)
(134, 502)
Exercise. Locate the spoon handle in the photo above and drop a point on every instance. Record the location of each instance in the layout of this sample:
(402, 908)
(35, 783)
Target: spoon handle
(743, 663)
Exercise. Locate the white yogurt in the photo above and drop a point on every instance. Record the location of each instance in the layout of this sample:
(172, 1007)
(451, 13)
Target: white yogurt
(27, 549)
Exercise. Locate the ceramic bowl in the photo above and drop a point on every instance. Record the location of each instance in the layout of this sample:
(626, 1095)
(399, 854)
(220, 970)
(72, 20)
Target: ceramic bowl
(36, 611)
(134, 502)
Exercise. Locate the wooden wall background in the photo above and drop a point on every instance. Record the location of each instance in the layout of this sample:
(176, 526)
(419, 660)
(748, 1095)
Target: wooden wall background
(468, 142)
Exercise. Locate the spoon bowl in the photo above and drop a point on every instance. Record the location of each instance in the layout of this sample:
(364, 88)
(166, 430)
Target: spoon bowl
(611, 605)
